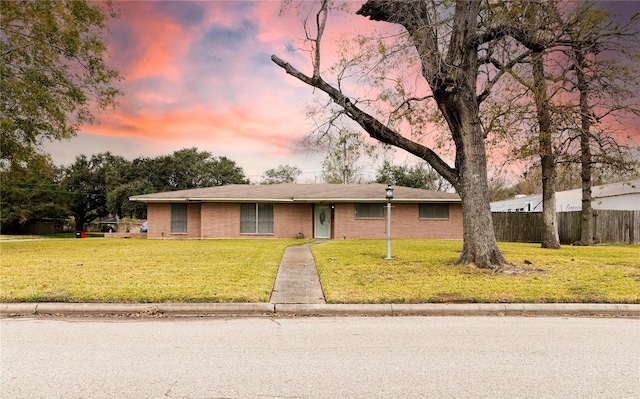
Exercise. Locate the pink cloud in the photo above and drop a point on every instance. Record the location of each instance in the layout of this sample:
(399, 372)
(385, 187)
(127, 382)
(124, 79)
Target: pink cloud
(157, 42)
(199, 74)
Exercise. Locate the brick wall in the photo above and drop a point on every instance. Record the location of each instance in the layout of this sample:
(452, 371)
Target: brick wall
(222, 220)
(346, 226)
(405, 223)
(291, 219)
(159, 221)
(193, 221)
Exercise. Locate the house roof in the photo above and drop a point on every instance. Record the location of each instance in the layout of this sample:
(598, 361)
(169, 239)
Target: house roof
(616, 189)
(312, 193)
(626, 195)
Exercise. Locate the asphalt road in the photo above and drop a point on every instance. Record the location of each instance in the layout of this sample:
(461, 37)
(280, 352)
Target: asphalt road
(384, 357)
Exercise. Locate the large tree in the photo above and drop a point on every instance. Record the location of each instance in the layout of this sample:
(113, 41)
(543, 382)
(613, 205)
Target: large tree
(281, 174)
(346, 155)
(191, 168)
(183, 169)
(450, 40)
(528, 16)
(419, 175)
(52, 72)
(581, 78)
(30, 193)
(118, 199)
(86, 183)
(602, 68)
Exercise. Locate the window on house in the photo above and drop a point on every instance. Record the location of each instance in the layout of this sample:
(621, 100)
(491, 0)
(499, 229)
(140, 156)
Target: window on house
(178, 218)
(434, 211)
(369, 211)
(256, 218)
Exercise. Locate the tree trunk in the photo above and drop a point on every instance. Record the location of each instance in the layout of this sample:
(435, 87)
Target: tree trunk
(81, 220)
(550, 237)
(586, 214)
(480, 248)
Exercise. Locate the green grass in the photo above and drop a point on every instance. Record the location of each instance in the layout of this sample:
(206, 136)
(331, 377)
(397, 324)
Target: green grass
(353, 271)
(139, 271)
(356, 272)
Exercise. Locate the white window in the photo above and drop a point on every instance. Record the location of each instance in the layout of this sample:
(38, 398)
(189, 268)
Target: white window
(256, 218)
(434, 211)
(178, 218)
(369, 211)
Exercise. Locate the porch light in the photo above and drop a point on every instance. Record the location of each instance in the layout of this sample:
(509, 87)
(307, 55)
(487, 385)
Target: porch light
(389, 196)
(389, 193)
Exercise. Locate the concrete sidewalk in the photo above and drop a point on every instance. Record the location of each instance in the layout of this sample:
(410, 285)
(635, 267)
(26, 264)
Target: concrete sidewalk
(297, 281)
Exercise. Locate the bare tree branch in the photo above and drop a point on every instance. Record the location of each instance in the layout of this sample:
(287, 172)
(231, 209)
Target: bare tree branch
(371, 125)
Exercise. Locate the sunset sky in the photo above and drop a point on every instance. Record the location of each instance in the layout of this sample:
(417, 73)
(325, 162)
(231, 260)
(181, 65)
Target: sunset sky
(199, 74)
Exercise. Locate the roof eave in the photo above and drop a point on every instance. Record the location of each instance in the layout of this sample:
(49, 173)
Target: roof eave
(204, 199)
(375, 200)
(293, 200)
(159, 200)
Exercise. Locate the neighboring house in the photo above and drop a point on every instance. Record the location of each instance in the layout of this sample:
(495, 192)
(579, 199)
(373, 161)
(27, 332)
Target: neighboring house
(616, 196)
(349, 211)
(42, 226)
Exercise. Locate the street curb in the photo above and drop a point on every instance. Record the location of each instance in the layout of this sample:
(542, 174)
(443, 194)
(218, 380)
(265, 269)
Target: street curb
(309, 310)
(150, 309)
(243, 309)
(334, 310)
(465, 309)
(518, 309)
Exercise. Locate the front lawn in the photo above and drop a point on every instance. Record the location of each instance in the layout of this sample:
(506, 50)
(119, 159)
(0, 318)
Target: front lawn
(356, 272)
(352, 271)
(138, 270)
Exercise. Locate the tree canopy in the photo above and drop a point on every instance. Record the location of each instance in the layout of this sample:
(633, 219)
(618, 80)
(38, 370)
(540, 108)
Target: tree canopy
(31, 193)
(86, 184)
(281, 174)
(53, 74)
(563, 102)
(100, 185)
(190, 168)
(420, 175)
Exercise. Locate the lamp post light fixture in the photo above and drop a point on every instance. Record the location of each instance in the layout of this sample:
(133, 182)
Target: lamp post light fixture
(389, 196)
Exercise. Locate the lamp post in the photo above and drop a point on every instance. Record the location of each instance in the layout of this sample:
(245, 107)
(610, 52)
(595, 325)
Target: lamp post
(389, 196)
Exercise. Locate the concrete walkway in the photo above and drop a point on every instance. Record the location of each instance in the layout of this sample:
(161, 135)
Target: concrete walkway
(297, 281)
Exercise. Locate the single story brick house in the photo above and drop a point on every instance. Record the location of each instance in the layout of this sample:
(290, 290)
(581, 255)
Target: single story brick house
(327, 211)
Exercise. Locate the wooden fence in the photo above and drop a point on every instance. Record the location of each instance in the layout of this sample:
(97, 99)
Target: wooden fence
(610, 227)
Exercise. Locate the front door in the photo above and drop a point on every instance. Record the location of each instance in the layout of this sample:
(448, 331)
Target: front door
(322, 221)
